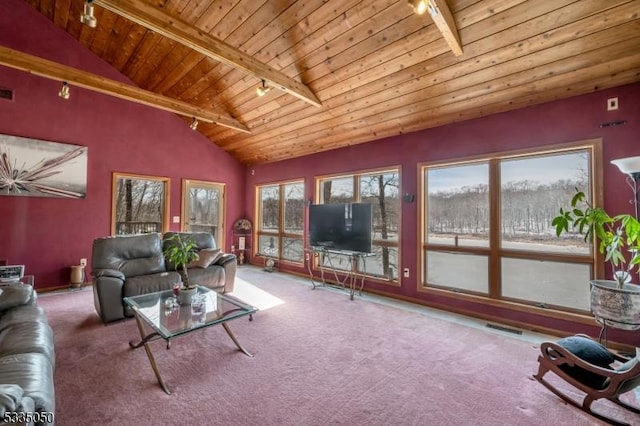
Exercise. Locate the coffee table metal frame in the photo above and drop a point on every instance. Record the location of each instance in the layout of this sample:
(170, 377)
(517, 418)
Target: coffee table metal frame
(168, 323)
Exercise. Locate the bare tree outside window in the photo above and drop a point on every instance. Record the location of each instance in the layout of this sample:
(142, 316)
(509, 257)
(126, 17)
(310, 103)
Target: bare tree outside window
(533, 190)
(281, 219)
(203, 208)
(337, 190)
(294, 208)
(140, 204)
(532, 264)
(381, 190)
(269, 208)
(458, 205)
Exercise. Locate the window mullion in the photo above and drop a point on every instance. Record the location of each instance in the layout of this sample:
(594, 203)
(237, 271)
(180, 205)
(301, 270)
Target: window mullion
(281, 219)
(494, 229)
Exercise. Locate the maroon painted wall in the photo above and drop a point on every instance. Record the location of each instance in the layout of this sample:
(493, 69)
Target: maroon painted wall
(48, 235)
(573, 119)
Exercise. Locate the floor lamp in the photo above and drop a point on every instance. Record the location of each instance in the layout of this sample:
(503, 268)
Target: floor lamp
(631, 167)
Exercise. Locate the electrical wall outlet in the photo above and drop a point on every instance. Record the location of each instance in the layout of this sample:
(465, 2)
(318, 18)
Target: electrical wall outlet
(83, 262)
(406, 272)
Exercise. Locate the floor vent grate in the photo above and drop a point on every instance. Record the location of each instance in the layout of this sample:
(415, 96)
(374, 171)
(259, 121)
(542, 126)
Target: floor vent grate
(6, 94)
(503, 328)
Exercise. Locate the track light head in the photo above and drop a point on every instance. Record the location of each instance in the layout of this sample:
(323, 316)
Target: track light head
(419, 6)
(263, 89)
(64, 92)
(87, 16)
(194, 124)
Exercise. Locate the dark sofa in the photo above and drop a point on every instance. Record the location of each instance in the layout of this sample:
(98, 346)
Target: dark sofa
(124, 266)
(27, 359)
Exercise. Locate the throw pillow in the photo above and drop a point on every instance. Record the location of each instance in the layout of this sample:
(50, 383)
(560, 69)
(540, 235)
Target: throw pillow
(15, 295)
(590, 351)
(205, 258)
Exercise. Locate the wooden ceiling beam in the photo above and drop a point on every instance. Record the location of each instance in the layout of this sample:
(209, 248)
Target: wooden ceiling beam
(74, 77)
(442, 17)
(180, 31)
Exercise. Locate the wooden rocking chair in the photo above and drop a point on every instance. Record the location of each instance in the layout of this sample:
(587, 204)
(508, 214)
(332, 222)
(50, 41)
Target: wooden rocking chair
(595, 376)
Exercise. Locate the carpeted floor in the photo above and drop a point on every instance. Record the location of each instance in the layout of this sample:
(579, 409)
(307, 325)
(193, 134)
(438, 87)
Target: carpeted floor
(319, 359)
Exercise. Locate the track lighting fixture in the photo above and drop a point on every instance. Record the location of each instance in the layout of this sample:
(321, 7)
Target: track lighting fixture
(263, 89)
(194, 124)
(419, 6)
(87, 16)
(64, 92)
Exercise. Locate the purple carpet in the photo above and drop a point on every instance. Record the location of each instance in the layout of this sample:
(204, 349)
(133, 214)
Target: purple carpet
(319, 359)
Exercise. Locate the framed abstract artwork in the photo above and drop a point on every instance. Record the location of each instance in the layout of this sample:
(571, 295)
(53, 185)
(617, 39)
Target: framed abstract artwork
(37, 168)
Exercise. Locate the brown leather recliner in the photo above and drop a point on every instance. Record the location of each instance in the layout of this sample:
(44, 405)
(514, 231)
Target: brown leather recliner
(124, 266)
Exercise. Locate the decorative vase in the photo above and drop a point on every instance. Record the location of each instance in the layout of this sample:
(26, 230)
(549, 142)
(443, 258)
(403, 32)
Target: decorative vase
(186, 294)
(616, 307)
(77, 276)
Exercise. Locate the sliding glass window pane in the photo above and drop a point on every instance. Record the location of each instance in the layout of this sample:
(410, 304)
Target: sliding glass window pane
(336, 261)
(458, 271)
(383, 264)
(532, 192)
(269, 208)
(202, 205)
(268, 245)
(551, 283)
(458, 205)
(337, 191)
(292, 249)
(381, 190)
(294, 208)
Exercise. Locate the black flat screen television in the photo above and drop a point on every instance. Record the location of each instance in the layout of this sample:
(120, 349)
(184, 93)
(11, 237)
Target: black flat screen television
(341, 226)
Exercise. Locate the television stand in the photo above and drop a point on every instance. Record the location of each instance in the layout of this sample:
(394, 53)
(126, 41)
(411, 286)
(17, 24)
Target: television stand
(325, 262)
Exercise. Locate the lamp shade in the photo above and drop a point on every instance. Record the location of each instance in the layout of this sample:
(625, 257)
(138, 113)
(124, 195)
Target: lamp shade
(629, 165)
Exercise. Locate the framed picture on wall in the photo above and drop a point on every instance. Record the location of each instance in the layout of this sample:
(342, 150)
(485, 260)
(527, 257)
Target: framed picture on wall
(37, 168)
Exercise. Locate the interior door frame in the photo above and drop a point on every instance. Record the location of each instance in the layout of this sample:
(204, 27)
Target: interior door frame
(187, 184)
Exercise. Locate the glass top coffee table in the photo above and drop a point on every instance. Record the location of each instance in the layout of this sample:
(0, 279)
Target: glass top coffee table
(168, 321)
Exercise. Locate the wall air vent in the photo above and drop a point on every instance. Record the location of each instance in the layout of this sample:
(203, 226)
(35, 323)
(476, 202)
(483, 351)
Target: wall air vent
(613, 124)
(6, 94)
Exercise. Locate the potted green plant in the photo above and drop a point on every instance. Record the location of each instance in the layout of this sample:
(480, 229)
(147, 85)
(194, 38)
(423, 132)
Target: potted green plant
(614, 302)
(180, 251)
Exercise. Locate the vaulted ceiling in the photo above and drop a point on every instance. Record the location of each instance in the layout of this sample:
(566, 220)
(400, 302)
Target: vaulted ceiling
(354, 70)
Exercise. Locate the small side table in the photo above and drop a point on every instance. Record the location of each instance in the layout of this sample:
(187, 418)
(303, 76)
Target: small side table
(28, 279)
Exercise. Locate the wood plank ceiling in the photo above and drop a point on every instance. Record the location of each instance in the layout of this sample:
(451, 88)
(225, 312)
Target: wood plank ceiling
(377, 68)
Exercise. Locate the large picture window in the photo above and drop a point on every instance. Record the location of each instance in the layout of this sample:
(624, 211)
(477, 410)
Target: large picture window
(281, 221)
(381, 190)
(487, 227)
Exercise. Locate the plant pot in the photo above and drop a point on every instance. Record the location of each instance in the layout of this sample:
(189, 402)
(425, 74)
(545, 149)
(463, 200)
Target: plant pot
(616, 307)
(185, 295)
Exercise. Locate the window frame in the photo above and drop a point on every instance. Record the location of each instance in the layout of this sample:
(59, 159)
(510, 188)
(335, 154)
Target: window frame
(355, 177)
(280, 234)
(114, 197)
(495, 251)
(187, 185)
